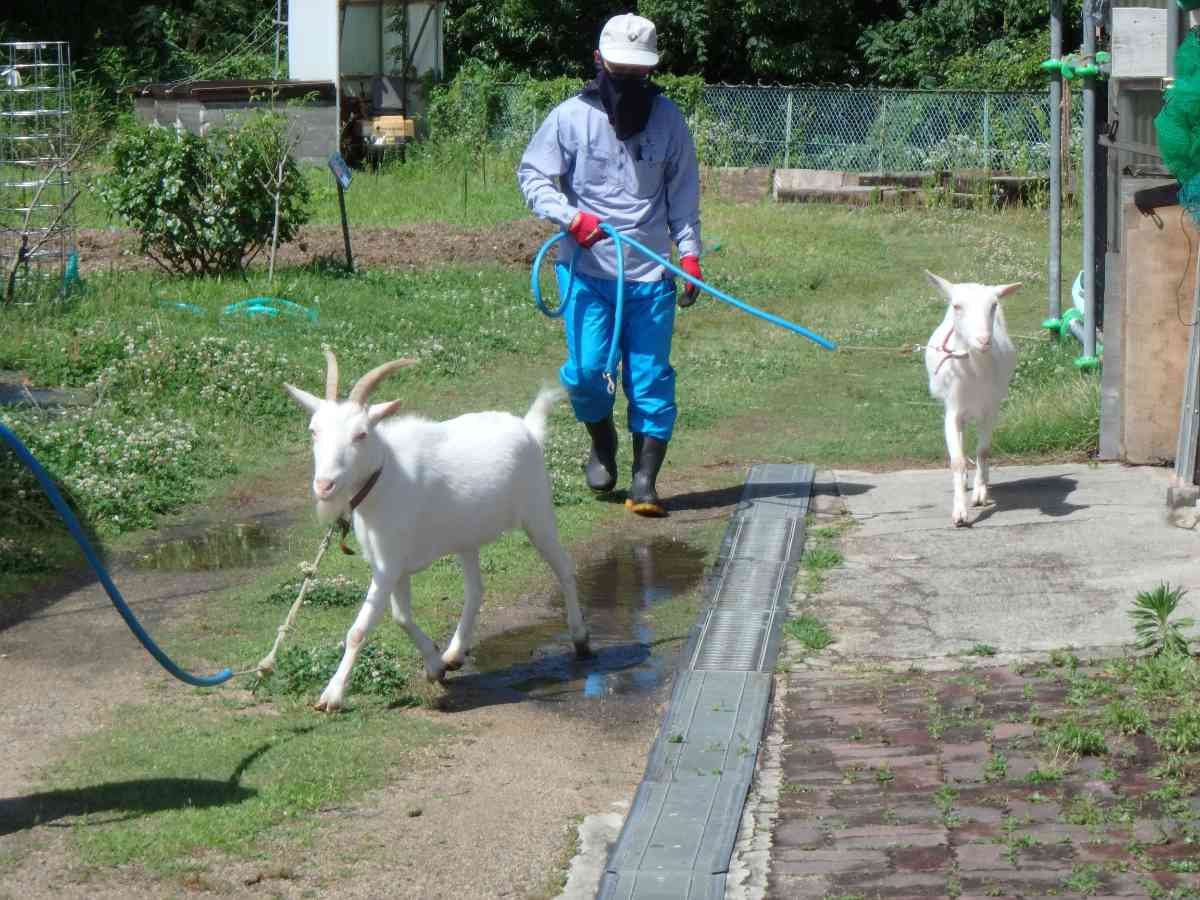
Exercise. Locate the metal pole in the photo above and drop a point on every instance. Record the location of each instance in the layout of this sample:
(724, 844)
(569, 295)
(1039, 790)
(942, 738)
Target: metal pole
(987, 132)
(1088, 184)
(881, 131)
(787, 133)
(278, 27)
(345, 226)
(1054, 307)
(1189, 416)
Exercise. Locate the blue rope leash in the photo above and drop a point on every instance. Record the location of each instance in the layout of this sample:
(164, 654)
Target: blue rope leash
(81, 539)
(621, 240)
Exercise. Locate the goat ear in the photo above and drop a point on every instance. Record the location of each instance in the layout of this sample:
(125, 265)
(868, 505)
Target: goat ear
(304, 398)
(940, 283)
(1005, 289)
(380, 411)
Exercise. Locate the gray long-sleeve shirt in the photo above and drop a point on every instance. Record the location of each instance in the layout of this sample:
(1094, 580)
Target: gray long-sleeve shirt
(647, 186)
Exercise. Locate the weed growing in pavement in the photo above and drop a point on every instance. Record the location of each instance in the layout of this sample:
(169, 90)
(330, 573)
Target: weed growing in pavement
(810, 631)
(1180, 733)
(1085, 879)
(1152, 623)
(1125, 717)
(1073, 738)
(996, 768)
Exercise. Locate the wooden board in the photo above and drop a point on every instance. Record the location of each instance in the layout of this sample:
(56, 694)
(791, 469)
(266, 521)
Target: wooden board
(1156, 307)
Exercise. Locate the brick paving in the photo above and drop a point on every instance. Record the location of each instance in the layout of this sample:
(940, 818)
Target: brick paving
(938, 785)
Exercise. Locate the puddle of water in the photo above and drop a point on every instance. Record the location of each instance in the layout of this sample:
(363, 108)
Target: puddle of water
(615, 592)
(226, 546)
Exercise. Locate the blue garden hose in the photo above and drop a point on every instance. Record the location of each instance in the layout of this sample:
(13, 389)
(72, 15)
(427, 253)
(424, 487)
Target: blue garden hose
(667, 264)
(81, 539)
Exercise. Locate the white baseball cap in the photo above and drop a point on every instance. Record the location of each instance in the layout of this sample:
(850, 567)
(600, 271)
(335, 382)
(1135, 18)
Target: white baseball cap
(629, 40)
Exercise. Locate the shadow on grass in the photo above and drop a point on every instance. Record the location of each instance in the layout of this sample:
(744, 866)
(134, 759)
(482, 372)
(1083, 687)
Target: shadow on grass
(122, 800)
(127, 800)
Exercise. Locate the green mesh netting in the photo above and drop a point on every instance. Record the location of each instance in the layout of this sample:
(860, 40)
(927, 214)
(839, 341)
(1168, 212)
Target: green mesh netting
(1187, 57)
(1178, 125)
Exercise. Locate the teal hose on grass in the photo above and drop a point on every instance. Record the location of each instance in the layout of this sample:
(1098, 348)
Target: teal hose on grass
(621, 239)
(72, 523)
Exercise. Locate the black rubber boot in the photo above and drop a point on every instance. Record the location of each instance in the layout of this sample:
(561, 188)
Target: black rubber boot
(601, 467)
(648, 456)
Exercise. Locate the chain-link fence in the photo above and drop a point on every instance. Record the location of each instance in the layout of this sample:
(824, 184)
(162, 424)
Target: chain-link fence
(849, 129)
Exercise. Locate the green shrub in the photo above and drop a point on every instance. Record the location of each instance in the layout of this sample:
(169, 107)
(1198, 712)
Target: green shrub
(22, 557)
(118, 476)
(203, 205)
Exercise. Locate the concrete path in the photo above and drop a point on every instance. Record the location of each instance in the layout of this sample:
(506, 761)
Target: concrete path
(898, 774)
(1055, 562)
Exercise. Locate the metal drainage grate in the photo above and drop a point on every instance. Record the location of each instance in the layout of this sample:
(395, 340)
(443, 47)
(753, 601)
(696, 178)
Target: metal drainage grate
(749, 583)
(678, 838)
(764, 539)
(734, 640)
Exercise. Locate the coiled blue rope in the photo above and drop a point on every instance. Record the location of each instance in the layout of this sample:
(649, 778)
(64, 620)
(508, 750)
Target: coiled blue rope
(118, 601)
(621, 240)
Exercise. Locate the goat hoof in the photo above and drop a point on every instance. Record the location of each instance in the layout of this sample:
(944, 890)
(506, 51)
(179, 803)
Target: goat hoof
(453, 665)
(583, 649)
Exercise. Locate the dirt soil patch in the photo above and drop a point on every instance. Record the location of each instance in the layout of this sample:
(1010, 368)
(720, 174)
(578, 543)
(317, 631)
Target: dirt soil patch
(407, 248)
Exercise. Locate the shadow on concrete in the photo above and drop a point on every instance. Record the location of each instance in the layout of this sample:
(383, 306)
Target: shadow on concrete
(784, 490)
(1047, 494)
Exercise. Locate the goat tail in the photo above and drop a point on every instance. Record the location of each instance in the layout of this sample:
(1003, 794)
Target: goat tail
(535, 420)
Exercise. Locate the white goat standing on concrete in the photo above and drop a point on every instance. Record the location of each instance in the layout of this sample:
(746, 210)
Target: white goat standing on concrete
(420, 490)
(970, 359)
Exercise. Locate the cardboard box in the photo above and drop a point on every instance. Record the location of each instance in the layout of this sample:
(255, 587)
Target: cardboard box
(389, 128)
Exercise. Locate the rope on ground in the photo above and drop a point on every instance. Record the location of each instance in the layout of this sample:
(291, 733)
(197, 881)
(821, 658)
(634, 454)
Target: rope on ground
(267, 663)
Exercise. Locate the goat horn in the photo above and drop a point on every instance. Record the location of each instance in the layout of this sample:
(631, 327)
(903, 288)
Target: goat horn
(331, 376)
(362, 389)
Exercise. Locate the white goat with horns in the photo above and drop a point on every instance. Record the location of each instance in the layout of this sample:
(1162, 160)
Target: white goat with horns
(970, 359)
(419, 490)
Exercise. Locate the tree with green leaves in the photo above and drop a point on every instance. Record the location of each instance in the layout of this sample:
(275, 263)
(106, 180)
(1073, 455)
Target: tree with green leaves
(980, 44)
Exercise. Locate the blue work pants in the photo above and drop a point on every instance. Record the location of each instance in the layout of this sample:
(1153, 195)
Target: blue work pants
(589, 310)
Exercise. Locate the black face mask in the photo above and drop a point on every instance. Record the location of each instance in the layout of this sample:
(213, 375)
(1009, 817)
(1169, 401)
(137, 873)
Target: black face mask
(627, 100)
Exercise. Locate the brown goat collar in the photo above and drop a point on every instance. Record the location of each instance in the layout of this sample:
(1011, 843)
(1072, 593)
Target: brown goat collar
(358, 498)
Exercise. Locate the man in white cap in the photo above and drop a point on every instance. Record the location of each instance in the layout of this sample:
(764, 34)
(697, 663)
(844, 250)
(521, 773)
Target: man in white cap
(619, 153)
